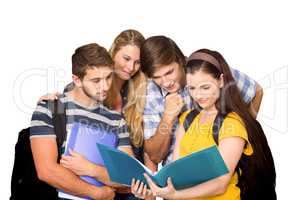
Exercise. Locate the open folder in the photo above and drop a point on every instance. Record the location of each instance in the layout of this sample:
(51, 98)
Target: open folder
(185, 172)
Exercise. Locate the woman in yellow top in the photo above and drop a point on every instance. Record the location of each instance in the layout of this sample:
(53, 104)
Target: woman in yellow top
(212, 87)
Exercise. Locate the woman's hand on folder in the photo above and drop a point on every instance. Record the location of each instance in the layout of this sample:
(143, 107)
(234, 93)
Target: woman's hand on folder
(167, 192)
(139, 189)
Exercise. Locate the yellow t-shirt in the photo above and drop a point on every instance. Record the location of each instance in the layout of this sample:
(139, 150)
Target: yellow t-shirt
(200, 136)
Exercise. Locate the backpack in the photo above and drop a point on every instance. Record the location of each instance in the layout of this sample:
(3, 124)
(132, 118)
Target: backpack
(24, 182)
(264, 184)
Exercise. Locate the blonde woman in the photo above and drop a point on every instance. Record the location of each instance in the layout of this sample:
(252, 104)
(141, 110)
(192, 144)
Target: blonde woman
(129, 86)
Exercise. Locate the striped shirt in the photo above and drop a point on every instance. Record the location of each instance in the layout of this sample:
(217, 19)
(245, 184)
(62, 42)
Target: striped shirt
(155, 101)
(97, 116)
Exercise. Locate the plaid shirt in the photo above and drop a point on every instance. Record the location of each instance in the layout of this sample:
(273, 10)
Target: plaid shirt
(155, 101)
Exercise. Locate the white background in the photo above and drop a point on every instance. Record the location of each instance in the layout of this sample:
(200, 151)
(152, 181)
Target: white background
(260, 38)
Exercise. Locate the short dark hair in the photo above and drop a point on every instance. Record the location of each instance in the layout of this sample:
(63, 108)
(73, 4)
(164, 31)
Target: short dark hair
(87, 56)
(157, 51)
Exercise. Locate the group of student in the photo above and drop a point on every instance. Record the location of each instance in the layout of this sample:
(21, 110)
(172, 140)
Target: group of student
(143, 89)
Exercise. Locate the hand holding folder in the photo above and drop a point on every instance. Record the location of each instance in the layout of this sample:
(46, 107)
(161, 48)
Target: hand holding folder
(185, 172)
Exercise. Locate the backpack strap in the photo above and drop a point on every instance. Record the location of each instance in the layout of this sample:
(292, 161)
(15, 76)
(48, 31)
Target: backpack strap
(59, 122)
(190, 118)
(217, 126)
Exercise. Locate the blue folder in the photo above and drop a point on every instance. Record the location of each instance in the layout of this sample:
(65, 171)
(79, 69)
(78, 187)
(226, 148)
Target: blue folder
(83, 138)
(185, 172)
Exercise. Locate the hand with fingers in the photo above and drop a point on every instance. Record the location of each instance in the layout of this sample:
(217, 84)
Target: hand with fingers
(139, 189)
(105, 193)
(49, 96)
(168, 192)
(78, 164)
(173, 106)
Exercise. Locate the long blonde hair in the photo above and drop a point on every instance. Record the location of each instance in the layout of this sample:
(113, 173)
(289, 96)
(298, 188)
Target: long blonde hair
(137, 85)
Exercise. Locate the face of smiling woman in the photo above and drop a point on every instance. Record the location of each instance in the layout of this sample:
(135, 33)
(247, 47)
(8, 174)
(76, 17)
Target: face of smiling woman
(127, 61)
(204, 88)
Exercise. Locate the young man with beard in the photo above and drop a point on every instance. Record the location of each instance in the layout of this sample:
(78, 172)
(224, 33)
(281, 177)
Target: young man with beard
(92, 69)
